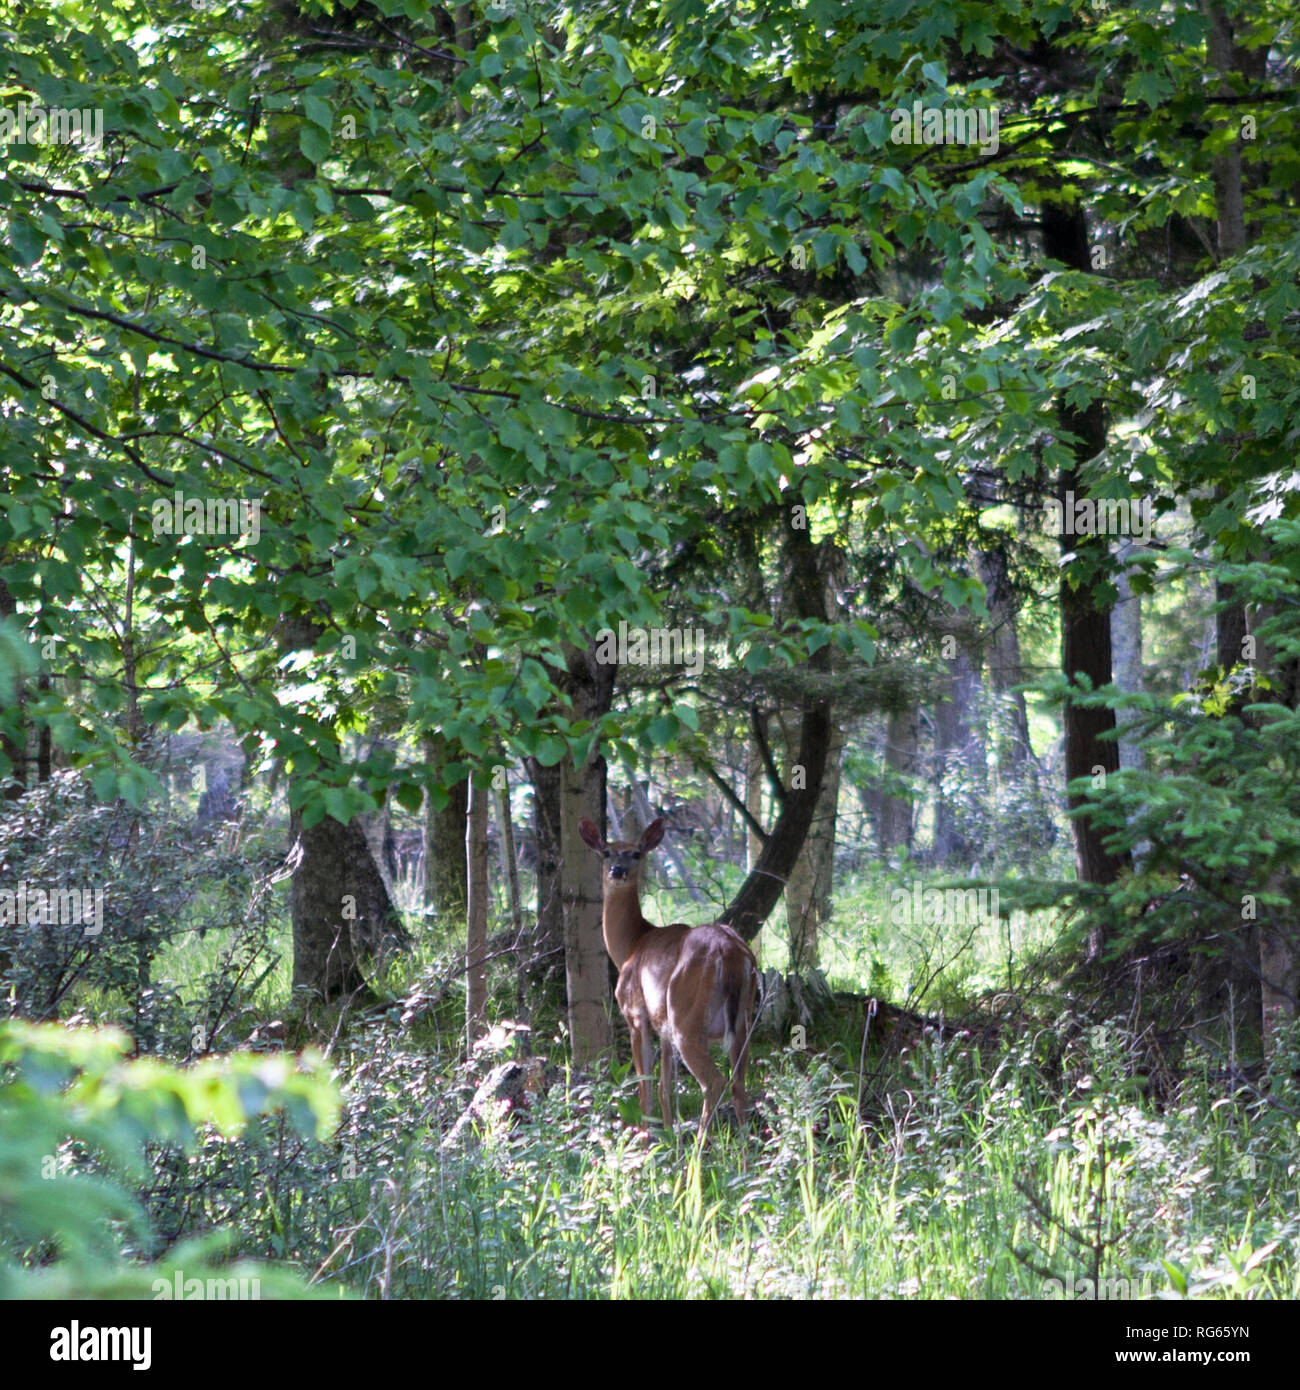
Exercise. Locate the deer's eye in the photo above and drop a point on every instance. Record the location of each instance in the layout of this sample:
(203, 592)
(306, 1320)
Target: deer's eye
(636, 854)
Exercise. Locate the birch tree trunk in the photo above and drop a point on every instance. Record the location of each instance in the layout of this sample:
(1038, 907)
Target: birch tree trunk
(582, 793)
(808, 902)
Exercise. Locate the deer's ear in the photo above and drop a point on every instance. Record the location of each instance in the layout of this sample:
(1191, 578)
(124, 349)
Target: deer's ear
(651, 835)
(590, 835)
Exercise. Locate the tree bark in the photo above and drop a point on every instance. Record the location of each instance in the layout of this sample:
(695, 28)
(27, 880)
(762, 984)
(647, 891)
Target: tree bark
(1230, 209)
(808, 902)
(446, 888)
(378, 830)
(958, 758)
(476, 913)
(902, 733)
(1227, 57)
(586, 965)
(340, 908)
(1279, 968)
(509, 857)
(753, 801)
(1085, 616)
(1005, 669)
(547, 954)
(44, 736)
(1126, 647)
(1267, 991)
(582, 794)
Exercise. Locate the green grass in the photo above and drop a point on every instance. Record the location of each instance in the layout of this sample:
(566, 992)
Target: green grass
(975, 1181)
(1032, 1168)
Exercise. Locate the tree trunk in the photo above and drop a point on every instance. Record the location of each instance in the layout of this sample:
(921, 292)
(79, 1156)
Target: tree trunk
(130, 686)
(755, 778)
(902, 734)
(1005, 669)
(340, 908)
(445, 887)
(378, 830)
(1279, 968)
(959, 760)
(1085, 616)
(1226, 58)
(753, 801)
(509, 856)
(1263, 993)
(586, 965)
(44, 735)
(582, 794)
(476, 913)
(1126, 647)
(510, 876)
(217, 802)
(808, 902)
(547, 954)
(1230, 208)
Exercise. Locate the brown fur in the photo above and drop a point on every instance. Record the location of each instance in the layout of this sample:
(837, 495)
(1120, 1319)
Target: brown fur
(690, 984)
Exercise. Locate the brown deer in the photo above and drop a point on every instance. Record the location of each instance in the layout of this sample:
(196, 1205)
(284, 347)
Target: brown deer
(690, 984)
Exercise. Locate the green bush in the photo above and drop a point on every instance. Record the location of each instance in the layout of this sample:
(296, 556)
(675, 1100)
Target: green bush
(162, 884)
(75, 1118)
(1212, 820)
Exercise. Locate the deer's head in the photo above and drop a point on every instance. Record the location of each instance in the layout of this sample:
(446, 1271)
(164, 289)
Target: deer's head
(622, 857)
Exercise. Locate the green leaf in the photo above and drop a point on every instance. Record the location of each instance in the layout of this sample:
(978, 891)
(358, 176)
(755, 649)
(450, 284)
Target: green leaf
(318, 112)
(28, 242)
(314, 142)
(663, 730)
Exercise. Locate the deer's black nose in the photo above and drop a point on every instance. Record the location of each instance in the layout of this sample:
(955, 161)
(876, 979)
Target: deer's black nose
(617, 871)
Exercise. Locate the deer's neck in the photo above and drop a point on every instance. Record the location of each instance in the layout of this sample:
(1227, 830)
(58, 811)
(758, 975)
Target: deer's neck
(623, 924)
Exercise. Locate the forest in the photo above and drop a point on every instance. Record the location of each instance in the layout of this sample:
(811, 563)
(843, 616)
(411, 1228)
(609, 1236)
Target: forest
(650, 651)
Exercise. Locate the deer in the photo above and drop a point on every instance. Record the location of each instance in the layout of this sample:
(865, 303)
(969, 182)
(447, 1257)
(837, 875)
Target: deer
(691, 985)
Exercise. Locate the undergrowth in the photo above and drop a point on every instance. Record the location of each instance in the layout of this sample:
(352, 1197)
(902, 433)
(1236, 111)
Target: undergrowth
(977, 1176)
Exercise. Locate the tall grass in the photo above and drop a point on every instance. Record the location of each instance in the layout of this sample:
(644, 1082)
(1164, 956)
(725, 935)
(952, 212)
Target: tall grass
(978, 1179)
(1002, 1171)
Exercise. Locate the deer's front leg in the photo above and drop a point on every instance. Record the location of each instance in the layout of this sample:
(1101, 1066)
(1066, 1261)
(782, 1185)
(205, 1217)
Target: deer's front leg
(642, 1058)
